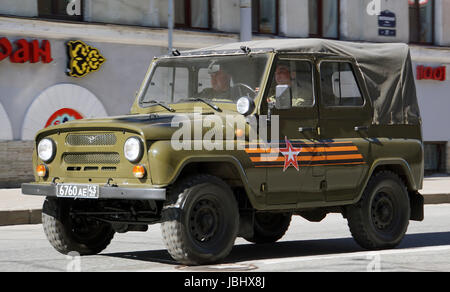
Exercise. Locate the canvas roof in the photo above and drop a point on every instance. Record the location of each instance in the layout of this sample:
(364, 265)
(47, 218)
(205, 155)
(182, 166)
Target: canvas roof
(386, 67)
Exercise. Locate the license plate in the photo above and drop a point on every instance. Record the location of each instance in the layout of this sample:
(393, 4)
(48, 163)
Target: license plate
(77, 191)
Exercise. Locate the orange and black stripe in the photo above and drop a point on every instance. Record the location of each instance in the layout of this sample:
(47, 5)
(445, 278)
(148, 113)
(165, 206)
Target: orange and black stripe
(312, 154)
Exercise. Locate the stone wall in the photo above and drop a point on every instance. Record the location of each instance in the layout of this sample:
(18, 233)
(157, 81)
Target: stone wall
(15, 163)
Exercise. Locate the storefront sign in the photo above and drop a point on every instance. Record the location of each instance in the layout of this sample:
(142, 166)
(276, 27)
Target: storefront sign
(387, 22)
(63, 115)
(387, 19)
(430, 73)
(26, 51)
(83, 59)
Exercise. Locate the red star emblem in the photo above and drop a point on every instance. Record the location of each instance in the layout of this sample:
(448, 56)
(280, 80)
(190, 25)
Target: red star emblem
(290, 155)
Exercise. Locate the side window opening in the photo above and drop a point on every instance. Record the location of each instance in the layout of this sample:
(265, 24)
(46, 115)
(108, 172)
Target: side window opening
(297, 74)
(338, 85)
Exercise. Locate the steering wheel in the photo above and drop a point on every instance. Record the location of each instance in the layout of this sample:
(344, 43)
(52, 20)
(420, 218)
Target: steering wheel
(243, 89)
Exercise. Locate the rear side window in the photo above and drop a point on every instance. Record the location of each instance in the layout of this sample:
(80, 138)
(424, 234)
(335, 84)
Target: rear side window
(338, 85)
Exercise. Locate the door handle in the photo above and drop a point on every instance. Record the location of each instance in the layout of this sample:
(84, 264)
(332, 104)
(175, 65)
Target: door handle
(361, 128)
(307, 129)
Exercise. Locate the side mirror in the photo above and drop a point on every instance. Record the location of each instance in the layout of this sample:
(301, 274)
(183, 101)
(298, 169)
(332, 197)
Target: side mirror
(245, 105)
(283, 97)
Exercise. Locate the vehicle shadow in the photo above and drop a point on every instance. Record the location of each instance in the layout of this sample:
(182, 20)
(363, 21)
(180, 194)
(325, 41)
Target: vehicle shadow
(286, 249)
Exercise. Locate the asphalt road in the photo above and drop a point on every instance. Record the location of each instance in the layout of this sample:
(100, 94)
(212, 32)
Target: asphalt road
(325, 246)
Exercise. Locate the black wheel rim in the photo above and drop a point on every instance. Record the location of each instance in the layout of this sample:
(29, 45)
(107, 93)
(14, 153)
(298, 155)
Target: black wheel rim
(204, 220)
(383, 211)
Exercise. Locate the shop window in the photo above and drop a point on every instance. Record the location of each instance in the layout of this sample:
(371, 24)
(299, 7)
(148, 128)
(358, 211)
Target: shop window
(324, 18)
(193, 14)
(421, 21)
(61, 9)
(265, 16)
(435, 157)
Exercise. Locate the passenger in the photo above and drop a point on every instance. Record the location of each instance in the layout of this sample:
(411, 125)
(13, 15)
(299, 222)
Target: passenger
(285, 76)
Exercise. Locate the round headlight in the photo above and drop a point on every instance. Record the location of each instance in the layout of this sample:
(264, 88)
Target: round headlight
(46, 150)
(245, 106)
(133, 149)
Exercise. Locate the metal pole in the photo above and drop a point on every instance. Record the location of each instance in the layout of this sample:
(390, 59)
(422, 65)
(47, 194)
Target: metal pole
(246, 20)
(170, 26)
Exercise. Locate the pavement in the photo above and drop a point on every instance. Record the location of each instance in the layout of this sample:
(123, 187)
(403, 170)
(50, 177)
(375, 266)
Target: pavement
(17, 209)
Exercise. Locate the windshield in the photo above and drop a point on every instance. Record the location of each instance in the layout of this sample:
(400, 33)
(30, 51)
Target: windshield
(215, 79)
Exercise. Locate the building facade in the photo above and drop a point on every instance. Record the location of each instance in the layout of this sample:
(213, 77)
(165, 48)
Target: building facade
(40, 40)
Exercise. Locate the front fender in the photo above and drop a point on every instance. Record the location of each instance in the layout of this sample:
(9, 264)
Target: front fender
(166, 165)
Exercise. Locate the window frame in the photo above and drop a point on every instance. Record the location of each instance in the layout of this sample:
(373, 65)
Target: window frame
(54, 8)
(258, 16)
(299, 58)
(357, 79)
(188, 16)
(418, 19)
(319, 19)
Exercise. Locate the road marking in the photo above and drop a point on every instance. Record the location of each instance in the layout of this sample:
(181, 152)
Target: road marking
(351, 255)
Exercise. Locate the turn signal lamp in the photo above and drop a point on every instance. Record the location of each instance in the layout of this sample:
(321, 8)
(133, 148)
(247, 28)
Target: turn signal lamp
(239, 133)
(138, 171)
(41, 170)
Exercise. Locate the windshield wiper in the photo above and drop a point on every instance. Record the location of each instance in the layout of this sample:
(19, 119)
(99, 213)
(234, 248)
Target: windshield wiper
(215, 107)
(154, 102)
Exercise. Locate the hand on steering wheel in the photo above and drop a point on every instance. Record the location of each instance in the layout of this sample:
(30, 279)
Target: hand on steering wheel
(242, 88)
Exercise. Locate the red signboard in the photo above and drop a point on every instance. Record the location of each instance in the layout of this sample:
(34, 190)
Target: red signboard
(63, 115)
(430, 73)
(25, 51)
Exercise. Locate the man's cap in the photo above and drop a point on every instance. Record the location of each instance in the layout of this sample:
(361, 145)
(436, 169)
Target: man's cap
(215, 66)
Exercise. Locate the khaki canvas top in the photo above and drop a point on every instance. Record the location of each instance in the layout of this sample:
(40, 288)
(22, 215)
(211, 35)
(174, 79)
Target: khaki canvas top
(386, 68)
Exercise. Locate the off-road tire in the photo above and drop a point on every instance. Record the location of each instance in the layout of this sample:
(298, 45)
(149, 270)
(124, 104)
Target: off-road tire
(269, 227)
(200, 220)
(380, 219)
(58, 227)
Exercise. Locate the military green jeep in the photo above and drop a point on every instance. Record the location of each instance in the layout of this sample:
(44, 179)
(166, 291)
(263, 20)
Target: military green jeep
(234, 140)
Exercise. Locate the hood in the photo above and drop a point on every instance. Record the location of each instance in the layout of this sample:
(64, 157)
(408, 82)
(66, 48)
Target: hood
(149, 126)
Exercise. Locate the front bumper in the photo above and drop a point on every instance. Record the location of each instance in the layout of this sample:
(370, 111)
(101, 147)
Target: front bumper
(105, 192)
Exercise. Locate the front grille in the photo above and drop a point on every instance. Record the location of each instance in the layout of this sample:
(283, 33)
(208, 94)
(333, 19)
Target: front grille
(92, 158)
(91, 140)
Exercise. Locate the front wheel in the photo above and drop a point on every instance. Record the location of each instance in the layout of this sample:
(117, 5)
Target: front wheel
(380, 219)
(69, 233)
(200, 220)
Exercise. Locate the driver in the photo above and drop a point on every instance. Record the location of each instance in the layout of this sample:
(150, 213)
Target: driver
(220, 83)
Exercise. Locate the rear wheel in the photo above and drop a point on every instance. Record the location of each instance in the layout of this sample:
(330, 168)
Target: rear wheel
(269, 227)
(200, 220)
(69, 233)
(380, 219)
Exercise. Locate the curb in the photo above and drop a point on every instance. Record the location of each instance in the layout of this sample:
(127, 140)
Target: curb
(435, 199)
(33, 216)
(20, 217)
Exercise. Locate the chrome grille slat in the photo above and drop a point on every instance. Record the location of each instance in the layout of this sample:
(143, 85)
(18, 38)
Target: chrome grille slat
(92, 158)
(105, 139)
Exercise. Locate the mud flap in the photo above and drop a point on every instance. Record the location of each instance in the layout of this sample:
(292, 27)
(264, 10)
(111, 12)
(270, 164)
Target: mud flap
(416, 202)
(246, 222)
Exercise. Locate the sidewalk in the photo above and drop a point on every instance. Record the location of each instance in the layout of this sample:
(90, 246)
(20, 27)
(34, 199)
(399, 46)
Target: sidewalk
(16, 208)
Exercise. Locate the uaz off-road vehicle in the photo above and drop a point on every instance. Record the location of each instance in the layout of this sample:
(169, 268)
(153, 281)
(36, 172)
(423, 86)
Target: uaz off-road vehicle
(347, 140)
